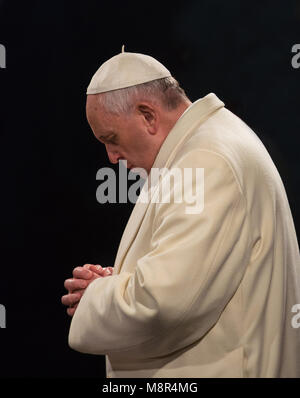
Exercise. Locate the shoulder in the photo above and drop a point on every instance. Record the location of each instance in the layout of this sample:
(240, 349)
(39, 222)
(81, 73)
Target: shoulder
(225, 142)
(215, 165)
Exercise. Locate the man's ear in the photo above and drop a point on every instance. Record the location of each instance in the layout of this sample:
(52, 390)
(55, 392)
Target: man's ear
(150, 117)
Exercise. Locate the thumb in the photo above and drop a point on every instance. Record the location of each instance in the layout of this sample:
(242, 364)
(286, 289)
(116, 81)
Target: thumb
(97, 269)
(108, 271)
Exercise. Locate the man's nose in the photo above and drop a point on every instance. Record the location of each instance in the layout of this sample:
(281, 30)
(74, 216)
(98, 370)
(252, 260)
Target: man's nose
(113, 156)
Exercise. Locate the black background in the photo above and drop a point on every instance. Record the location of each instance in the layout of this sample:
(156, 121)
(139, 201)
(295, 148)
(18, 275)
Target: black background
(50, 219)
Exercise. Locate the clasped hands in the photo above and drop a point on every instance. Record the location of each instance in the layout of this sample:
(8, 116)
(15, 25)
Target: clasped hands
(82, 277)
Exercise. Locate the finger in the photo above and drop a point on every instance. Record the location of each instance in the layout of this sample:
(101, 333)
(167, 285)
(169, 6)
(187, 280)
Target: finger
(71, 310)
(75, 284)
(88, 266)
(102, 271)
(82, 273)
(70, 299)
(107, 272)
(97, 269)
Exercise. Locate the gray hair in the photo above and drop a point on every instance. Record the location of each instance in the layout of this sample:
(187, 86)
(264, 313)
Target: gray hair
(165, 92)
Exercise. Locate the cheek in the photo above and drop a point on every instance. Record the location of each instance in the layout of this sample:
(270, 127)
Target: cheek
(136, 144)
(140, 151)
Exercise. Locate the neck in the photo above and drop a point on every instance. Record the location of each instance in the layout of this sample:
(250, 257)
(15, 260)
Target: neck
(173, 117)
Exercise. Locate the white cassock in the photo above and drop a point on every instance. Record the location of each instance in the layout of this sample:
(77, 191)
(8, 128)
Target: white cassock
(209, 294)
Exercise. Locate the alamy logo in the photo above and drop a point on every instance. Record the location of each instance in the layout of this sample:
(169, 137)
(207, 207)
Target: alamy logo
(2, 316)
(296, 58)
(2, 56)
(181, 185)
(296, 318)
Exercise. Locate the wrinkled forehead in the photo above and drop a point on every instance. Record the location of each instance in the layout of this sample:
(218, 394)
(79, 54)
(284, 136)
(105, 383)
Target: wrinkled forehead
(100, 120)
(92, 103)
(94, 111)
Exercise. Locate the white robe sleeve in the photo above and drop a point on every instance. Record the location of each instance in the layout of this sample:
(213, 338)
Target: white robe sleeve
(181, 286)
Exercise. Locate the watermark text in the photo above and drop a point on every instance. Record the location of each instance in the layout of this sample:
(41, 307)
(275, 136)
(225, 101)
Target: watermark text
(296, 318)
(163, 185)
(2, 316)
(296, 58)
(2, 56)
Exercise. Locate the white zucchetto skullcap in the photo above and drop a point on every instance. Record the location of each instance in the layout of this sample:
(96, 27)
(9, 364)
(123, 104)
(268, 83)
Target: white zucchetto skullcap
(125, 70)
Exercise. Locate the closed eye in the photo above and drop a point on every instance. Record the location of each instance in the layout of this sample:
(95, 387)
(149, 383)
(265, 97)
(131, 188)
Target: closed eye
(112, 141)
(108, 140)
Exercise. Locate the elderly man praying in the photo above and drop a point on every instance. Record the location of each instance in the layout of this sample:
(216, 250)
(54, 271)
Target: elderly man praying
(205, 294)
